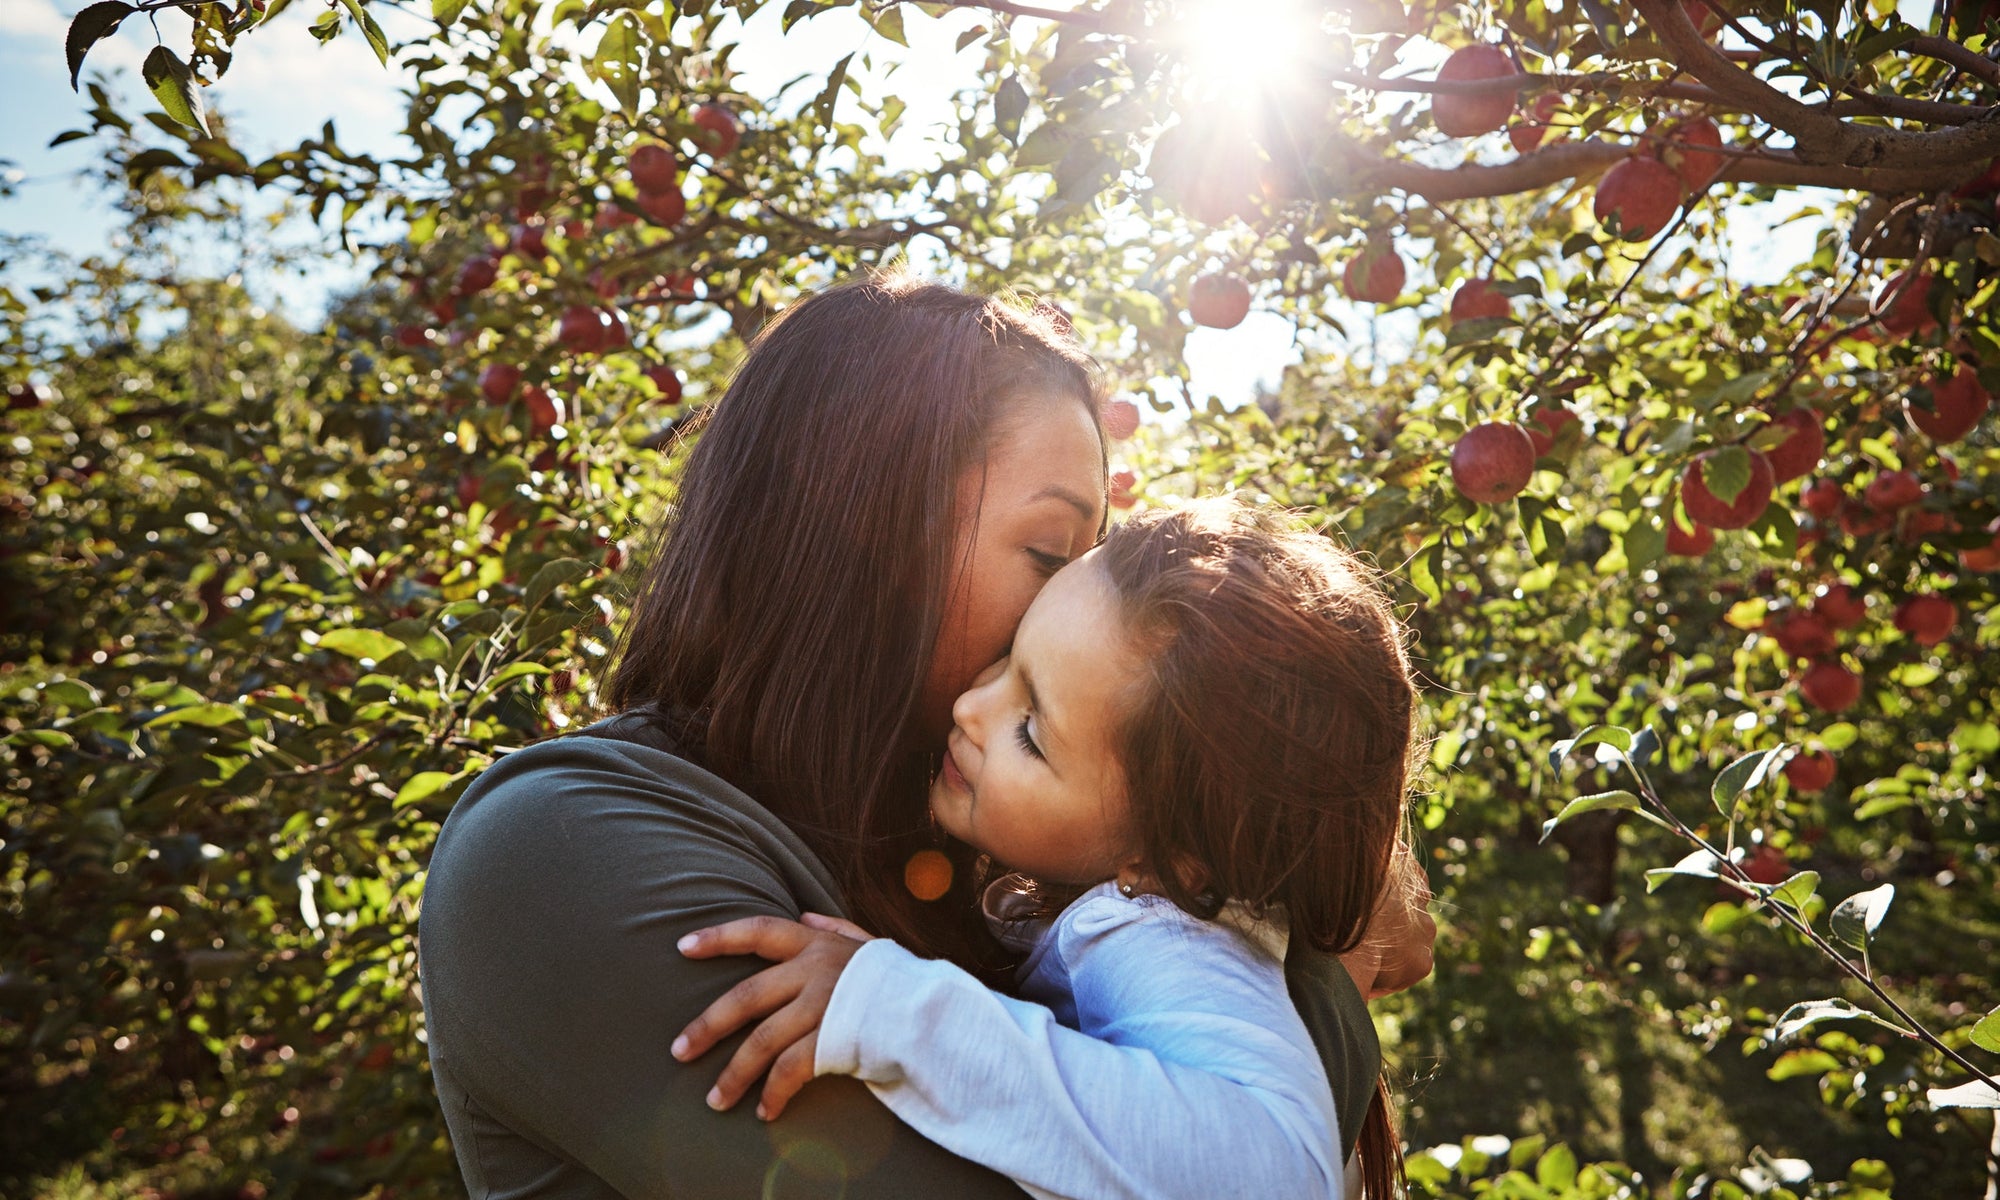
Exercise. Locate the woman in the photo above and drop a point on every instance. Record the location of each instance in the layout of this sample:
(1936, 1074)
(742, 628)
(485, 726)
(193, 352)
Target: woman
(893, 474)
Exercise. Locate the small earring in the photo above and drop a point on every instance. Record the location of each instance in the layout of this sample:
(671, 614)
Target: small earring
(1127, 890)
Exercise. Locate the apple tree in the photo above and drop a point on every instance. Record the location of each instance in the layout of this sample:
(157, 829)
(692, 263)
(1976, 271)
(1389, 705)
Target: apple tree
(1700, 565)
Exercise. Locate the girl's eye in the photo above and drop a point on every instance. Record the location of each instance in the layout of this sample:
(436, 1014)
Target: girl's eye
(1046, 563)
(1027, 741)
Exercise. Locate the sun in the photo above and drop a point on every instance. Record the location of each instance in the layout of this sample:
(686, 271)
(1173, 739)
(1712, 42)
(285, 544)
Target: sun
(1237, 47)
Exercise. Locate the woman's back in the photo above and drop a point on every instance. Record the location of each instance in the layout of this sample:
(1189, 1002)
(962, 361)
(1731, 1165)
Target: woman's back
(552, 987)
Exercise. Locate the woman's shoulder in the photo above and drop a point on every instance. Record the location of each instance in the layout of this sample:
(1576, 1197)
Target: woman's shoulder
(618, 790)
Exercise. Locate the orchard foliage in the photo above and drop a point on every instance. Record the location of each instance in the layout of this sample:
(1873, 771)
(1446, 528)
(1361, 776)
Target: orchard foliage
(1701, 568)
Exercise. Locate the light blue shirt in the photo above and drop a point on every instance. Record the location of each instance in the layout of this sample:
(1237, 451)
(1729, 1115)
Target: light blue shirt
(1154, 1055)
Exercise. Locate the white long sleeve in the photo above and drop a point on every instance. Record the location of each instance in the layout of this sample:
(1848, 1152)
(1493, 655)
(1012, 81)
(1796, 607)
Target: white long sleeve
(1189, 1073)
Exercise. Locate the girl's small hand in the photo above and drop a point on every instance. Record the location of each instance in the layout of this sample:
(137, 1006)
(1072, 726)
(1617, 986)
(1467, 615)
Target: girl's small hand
(791, 997)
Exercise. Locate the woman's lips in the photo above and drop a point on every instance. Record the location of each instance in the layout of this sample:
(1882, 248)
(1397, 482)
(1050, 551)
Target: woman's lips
(953, 777)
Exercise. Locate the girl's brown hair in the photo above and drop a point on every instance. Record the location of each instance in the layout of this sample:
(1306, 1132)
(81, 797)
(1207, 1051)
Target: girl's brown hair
(784, 625)
(1268, 753)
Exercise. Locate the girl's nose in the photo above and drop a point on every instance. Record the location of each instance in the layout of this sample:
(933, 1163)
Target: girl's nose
(969, 711)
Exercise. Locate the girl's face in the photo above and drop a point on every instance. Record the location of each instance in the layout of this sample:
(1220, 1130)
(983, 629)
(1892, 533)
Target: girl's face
(1031, 773)
(1035, 504)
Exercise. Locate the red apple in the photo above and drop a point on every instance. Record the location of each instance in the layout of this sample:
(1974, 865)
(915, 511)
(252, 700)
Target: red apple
(1986, 183)
(654, 168)
(581, 329)
(545, 409)
(1892, 490)
(468, 488)
(1219, 300)
(1983, 558)
(476, 275)
(668, 208)
(530, 241)
(1902, 303)
(1122, 482)
(1121, 419)
(1691, 150)
(1839, 606)
(611, 215)
(1376, 275)
(1689, 541)
(1822, 498)
(1859, 521)
(1466, 115)
(1709, 509)
(1830, 687)
(1546, 424)
(1766, 864)
(1810, 770)
(1529, 134)
(1477, 298)
(668, 381)
(1637, 198)
(717, 132)
(1802, 634)
(1704, 19)
(1492, 462)
(498, 381)
(1803, 448)
(1928, 619)
(1958, 404)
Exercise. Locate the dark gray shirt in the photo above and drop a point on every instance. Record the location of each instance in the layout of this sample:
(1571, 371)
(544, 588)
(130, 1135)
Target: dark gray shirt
(552, 989)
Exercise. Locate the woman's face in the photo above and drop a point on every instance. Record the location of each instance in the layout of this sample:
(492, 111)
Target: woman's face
(1032, 506)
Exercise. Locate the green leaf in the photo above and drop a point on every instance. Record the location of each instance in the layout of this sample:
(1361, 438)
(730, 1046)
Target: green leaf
(1609, 735)
(1726, 472)
(1597, 802)
(91, 26)
(1807, 1013)
(447, 12)
(1736, 778)
(71, 693)
(823, 105)
(173, 85)
(617, 61)
(422, 786)
(1856, 918)
(1977, 1094)
(1794, 892)
(377, 40)
(1795, 1063)
(360, 643)
(209, 716)
(48, 739)
(1838, 736)
(1010, 104)
(889, 23)
(552, 576)
(1986, 1032)
(1701, 864)
(1557, 1169)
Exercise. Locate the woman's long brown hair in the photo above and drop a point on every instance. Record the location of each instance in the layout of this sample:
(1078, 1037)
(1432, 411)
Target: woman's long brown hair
(785, 621)
(1267, 755)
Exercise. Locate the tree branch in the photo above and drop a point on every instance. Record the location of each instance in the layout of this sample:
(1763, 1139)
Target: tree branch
(1091, 20)
(1820, 138)
(1588, 157)
(1946, 50)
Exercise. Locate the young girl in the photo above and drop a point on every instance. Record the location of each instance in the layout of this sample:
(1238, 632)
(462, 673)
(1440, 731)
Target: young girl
(1202, 735)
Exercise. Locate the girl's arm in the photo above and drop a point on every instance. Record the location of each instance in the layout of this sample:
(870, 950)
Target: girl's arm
(1191, 1074)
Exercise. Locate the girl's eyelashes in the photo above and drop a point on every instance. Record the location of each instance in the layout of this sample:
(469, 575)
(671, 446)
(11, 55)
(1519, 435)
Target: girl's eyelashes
(1027, 740)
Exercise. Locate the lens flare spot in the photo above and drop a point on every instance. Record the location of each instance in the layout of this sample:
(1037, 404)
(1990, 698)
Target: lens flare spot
(927, 874)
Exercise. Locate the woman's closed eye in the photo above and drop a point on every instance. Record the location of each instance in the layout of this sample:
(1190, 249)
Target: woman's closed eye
(1027, 740)
(1046, 563)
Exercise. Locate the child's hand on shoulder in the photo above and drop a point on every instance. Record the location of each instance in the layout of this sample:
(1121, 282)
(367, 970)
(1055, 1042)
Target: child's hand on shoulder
(791, 998)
